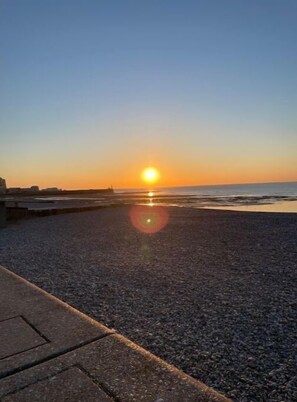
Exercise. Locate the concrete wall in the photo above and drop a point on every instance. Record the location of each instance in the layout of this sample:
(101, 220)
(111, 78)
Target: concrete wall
(2, 214)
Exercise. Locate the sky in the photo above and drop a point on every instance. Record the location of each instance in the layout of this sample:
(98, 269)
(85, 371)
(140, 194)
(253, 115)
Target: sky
(91, 92)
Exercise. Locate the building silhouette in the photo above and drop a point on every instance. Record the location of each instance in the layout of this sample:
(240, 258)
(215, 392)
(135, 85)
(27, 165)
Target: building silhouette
(2, 185)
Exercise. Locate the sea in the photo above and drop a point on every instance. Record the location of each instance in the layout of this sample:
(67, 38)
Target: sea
(257, 197)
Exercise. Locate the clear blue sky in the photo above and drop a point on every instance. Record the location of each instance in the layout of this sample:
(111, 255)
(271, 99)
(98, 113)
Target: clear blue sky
(92, 91)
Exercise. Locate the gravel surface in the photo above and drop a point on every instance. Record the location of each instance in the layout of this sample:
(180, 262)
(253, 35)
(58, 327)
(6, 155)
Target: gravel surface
(214, 292)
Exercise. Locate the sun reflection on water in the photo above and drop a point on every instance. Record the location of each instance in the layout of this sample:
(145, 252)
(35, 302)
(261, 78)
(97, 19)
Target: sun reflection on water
(151, 204)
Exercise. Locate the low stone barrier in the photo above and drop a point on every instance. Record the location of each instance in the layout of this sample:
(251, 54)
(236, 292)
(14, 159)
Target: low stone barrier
(16, 213)
(2, 214)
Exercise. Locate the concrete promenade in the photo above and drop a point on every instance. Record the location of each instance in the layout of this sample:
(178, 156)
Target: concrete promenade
(51, 352)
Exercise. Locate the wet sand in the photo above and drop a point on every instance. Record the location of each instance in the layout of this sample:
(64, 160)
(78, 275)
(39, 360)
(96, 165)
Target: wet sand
(214, 292)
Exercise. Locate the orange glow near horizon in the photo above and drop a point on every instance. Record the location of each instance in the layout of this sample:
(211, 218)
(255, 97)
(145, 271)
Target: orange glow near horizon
(126, 175)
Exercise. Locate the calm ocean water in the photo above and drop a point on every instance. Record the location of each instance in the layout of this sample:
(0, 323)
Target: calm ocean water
(257, 189)
(267, 197)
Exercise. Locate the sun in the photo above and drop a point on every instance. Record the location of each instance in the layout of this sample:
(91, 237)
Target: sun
(150, 175)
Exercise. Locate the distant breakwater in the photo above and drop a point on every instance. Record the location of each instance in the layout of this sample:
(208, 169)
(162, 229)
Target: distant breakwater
(105, 191)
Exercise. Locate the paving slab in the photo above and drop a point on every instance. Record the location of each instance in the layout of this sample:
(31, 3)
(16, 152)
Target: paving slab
(70, 385)
(17, 336)
(125, 372)
(24, 306)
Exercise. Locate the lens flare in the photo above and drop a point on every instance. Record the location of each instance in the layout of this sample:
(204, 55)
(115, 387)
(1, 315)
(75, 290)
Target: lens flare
(150, 175)
(148, 219)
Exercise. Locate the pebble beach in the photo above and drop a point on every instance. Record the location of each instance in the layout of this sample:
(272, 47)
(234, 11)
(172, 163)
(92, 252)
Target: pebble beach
(212, 292)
